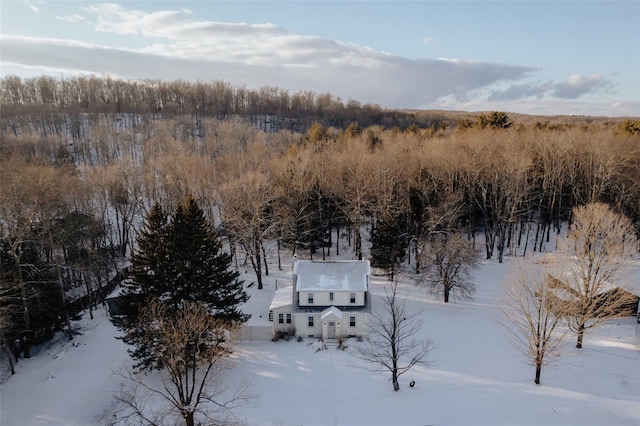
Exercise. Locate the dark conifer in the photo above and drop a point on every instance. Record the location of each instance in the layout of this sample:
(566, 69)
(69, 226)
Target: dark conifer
(200, 267)
(148, 263)
(179, 260)
(389, 243)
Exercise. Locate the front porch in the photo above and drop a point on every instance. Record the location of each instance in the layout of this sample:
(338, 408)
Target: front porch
(331, 320)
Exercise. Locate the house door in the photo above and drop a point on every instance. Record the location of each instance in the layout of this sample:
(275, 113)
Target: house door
(331, 331)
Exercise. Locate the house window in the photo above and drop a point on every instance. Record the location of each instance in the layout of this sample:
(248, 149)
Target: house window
(331, 297)
(288, 318)
(310, 298)
(311, 323)
(280, 318)
(352, 321)
(352, 297)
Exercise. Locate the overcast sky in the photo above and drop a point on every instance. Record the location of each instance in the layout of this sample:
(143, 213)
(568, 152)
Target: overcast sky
(532, 57)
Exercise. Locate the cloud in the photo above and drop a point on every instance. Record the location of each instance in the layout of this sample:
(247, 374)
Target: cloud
(177, 45)
(256, 55)
(295, 63)
(542, 107)
(574, 87)
(521, 91)
(169, 24)
(577, 85)
(31, 6)
(71, 18)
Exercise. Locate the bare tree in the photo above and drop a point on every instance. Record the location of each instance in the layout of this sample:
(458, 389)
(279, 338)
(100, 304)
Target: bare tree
(19, 210)
(349, 178)
(448, 264)
(31, 197)
(532, 314)
(295, 193)
(246, 212)
(593, 166)
(192, 346)
(594, 257)
(125, 196)
(392, 345)
(501, 192)
(550, 157)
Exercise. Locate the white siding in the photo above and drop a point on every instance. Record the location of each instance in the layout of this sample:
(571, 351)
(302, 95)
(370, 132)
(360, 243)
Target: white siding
(362, 321)
(301, 322)
(284, 327)
(340, 298)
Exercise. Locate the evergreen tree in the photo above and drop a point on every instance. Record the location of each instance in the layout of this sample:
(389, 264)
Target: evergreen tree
(389, 243)
(148, 263)
(495, 120)
(179, 260)
(199, 267)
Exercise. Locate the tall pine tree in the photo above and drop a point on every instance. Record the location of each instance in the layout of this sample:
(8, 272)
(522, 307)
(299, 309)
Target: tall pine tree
(199, 268)
(179, 259)
(389, 243)
(148, 263)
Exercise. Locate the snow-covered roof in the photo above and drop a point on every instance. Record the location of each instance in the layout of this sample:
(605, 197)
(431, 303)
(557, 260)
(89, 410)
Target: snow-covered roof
(345, 275)
(331, 312)
(281, 298)
(564, 290)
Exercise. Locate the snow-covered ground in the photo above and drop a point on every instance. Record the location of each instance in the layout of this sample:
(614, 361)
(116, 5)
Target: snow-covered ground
(477, 378)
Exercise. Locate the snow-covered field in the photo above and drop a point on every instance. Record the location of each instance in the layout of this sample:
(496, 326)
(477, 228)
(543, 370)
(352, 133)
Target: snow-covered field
(477, 378)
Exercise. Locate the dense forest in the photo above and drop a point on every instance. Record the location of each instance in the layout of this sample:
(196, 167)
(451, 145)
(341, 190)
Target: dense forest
(268, 107)
(82, 160)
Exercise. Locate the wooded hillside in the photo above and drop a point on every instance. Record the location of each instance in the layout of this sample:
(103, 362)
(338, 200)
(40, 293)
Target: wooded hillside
(83, 159)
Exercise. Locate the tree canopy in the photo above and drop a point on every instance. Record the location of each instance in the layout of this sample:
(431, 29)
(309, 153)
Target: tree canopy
(180, 259)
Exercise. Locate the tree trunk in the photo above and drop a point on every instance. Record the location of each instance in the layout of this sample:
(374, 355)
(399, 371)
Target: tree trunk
(25, 344)
(279, 259)
(540, 248)
(535, 242)
(548, 230)
(538, 371)
(264, 259)
(489, 236)
(526, 240)
(63, 296)
(100, 288)
(188, 419)
(330, 242)
(394, 379)
(580, 336)
(520, 232)
(358, 238)
(9, 356)
(89, 287)
(258, 262)
(446, 293)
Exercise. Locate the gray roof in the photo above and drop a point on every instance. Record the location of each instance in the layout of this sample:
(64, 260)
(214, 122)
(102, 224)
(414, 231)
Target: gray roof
(343, 275)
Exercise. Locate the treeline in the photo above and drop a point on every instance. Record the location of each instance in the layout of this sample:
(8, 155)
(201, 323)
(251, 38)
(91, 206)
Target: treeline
(75, 188)
(270, 107)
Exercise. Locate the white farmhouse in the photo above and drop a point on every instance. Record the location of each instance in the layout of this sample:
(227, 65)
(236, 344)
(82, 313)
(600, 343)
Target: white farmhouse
(328, 299)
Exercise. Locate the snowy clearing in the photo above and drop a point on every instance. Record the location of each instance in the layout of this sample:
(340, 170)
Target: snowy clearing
(476, 377)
